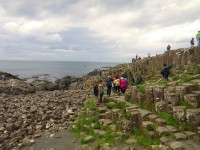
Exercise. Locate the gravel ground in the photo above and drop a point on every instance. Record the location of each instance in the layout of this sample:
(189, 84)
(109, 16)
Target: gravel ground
(62, 140)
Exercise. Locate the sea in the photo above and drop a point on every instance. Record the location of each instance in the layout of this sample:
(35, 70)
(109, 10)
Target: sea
(50, 70)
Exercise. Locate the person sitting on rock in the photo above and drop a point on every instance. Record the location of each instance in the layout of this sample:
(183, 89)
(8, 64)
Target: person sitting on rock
(166, 71)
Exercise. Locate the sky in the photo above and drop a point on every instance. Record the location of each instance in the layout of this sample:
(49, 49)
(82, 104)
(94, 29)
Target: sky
(95, 30)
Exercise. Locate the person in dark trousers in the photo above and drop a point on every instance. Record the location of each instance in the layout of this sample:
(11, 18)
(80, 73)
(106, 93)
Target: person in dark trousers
(168, 47)
(166, 71)
(192, 42)
(132, 80)
(96, 90)
(139, 79)
(101, 90)
(109, 85)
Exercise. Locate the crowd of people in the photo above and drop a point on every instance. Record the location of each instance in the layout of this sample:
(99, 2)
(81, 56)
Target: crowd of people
(113, 84)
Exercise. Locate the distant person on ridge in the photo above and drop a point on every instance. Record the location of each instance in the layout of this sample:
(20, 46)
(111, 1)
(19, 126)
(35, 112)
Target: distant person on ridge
(168, 47)
(192, 42)
(166, 71)
(198, 38)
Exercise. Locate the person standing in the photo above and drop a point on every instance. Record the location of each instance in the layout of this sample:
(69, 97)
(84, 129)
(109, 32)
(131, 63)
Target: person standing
(198, 38)
(123, 85)
(192, 42)
(168, 47)
(101, 90)
(166, 71)
(117, 84)
(109, 85)
(96, 90)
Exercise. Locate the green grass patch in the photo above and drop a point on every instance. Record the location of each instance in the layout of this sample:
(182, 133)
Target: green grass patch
(188, 79)
(151, 127)
(170, 120)
(87, 121)
(182, 102)
(141, 88)
(186, 126)
(143, 139)
(150, 107)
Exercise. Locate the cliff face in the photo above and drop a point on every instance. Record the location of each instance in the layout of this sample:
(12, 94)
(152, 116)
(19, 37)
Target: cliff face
(180, 58)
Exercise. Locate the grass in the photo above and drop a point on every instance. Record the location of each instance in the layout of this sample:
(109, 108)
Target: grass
(87, 121)
(141, 88)
(182, 102)
(186, 126)
(170, 120)
(143, 139)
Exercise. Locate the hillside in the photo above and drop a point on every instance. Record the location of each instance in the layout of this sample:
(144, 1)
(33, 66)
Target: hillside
(155, 114)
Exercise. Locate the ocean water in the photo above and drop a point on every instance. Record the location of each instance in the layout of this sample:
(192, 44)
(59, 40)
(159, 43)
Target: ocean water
(50, 70)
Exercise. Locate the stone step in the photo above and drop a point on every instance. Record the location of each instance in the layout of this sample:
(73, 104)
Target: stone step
(172, 129)
(189, 87)
(105, 122)
(151, 117)
(100, 132)
(196, 81)
(102, 109)
(196, 92)
(155, 119)
(193, 100)
(161, 130)
(190, 134)
(180, 136)
(144, 112)
(193, 115)
(160, 121)
(147, 124)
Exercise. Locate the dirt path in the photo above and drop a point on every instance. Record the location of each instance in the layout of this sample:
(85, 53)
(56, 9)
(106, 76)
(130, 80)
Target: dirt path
(62, 140)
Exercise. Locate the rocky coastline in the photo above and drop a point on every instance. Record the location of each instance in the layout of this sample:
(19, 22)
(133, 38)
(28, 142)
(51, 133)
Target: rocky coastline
(28, 109)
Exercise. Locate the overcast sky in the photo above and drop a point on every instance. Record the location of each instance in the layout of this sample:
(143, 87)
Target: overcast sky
(95, 30)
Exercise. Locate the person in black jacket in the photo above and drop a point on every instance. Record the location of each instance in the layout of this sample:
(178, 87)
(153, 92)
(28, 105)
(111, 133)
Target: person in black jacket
(192, 42)
(96, 90)
(166, 71)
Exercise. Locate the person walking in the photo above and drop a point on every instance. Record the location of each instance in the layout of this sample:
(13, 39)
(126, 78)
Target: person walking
(101, 90)
(192, 42)
(166, 71)
(198, 38)
(123, 85)
(96, 90)
(109, 85)
(117, 84)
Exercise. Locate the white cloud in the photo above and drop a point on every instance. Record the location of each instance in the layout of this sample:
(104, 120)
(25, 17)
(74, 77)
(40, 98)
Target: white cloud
(114, 29)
